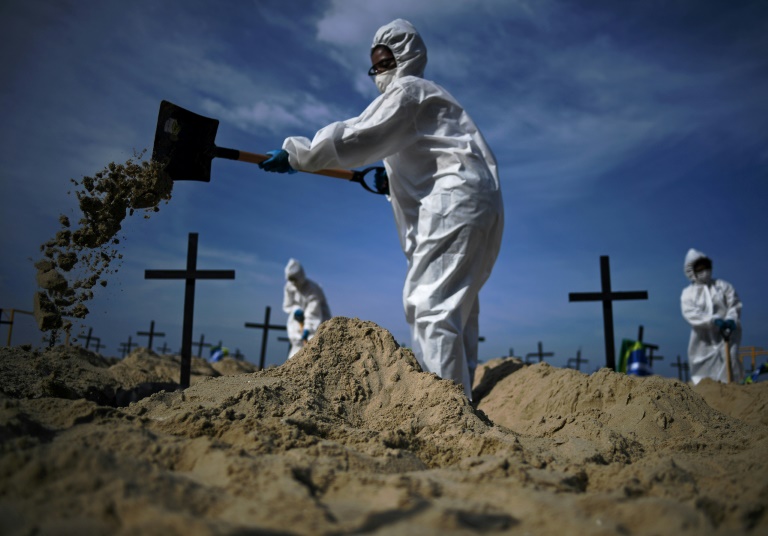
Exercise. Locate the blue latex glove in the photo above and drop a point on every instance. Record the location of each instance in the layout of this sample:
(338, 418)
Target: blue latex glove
(278, 163)
(381, 181)
(730, 324)
(720, 323)
(305, 335)
(298, 314)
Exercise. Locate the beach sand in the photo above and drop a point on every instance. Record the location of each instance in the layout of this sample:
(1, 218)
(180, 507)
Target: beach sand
(351, 437)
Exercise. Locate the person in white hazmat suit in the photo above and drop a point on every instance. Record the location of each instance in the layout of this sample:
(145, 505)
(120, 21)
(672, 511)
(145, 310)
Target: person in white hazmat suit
(444, 189)
(712, 308)
(305, 303)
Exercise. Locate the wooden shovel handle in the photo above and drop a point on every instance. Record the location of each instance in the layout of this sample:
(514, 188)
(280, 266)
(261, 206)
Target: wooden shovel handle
(255, 158)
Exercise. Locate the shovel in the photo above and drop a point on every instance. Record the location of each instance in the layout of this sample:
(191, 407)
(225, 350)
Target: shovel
(185, 144)
(726, 336)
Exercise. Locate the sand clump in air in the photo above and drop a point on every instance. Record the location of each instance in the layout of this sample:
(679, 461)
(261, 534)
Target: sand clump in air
(79, 255)
(351, 437)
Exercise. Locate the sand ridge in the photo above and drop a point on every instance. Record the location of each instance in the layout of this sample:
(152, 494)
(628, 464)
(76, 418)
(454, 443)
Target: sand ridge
(351, 437)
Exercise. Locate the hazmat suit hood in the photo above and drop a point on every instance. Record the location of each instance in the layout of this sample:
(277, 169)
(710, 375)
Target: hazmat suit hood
(691, 257)
(295, 270)
(406, 45)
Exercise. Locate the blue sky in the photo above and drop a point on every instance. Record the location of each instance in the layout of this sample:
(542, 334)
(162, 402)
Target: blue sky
(634, 130)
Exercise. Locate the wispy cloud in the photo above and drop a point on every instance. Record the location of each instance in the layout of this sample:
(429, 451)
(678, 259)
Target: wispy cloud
(299, 111)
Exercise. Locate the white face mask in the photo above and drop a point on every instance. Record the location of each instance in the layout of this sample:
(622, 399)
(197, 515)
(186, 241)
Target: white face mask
(384, 79)
(703, 276)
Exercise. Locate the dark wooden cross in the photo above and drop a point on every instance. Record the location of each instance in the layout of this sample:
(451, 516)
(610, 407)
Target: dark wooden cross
(10, 324)
(266, 327)
(151, 333)
(97, 346)
(190, 275)
(164, 348)
(126, 346)
(577, 361)
(607, 296)
(200, 345)
(651, 357)
(238, 354)
(650, 347)
(682, 368)
(87, 337)
(541, 354)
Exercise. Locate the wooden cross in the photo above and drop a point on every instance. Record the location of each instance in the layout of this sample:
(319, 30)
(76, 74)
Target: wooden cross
(607, 296)
(10, 323)
(540, 354)
(238, 355)
(651, 348)
(651, 357)
(577, 361)
(200, 345)
(87, 338)
(98, 346)
(753, 352)
(190, 275)
(151, 333)
(164, 348)
(126, 346)
(266, 327)
(682, 368)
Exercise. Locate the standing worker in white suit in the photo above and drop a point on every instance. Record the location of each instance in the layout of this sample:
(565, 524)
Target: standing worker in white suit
(713, 309)
(444, 189)
(305, 303)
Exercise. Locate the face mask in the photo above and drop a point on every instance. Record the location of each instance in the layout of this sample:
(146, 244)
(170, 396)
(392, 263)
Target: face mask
(384, 79)
(703, 276)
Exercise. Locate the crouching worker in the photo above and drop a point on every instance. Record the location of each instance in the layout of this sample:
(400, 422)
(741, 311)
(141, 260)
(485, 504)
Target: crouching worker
(305, 303)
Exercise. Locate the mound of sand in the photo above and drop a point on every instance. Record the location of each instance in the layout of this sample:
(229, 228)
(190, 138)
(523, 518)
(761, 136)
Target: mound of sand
(73, 372)
(351, 437)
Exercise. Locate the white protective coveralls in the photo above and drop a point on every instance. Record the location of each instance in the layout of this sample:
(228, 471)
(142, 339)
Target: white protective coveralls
(445, 195)
(304, 294)
(703, 302)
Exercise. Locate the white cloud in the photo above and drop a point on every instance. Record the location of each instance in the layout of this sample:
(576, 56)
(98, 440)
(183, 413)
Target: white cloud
(278, 114)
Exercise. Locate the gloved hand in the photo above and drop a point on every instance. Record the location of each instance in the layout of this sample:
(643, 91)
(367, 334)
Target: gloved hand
(730, 324)
(381, 181)
(278, 163)
(719, 323)
(305, 335)
(298, 314)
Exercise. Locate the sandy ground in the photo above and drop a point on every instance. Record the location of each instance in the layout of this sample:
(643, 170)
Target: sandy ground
(350, 437)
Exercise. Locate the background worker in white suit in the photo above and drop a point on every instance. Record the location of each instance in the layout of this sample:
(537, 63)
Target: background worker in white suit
(305, 303)
(713, 309)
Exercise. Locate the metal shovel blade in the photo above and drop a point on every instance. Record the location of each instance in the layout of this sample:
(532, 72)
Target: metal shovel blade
(184, 143)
